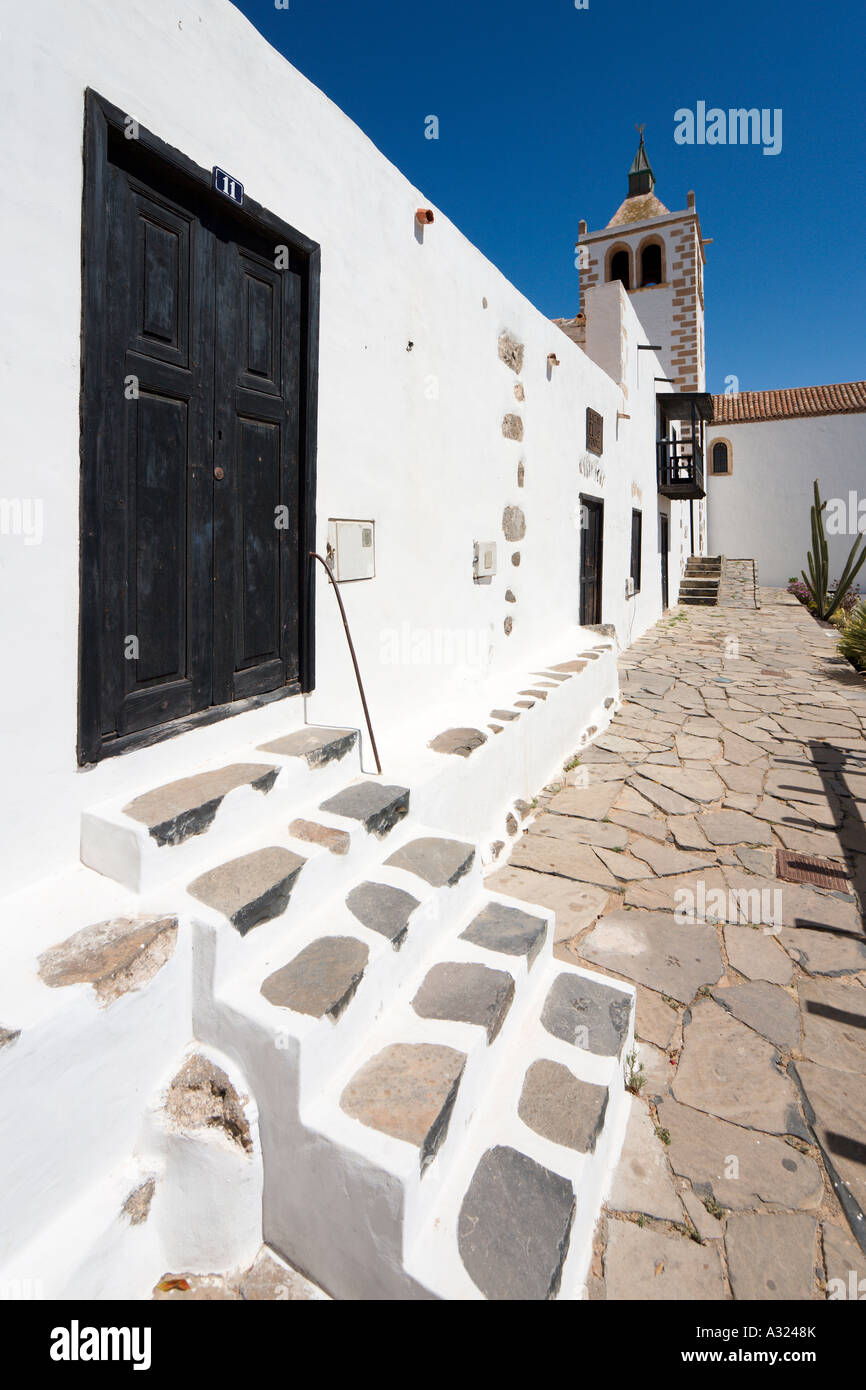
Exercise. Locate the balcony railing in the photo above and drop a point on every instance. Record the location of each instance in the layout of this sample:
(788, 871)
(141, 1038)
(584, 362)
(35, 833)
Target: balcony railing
(680, 466)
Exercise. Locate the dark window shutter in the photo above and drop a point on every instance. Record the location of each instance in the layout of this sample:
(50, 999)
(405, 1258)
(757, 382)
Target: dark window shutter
(636, 522)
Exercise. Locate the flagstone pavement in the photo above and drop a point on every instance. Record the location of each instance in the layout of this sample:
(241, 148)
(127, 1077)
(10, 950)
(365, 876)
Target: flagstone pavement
(741, 732)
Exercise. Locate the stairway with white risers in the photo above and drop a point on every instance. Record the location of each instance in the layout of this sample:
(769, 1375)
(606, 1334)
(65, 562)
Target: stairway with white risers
(439, 1103)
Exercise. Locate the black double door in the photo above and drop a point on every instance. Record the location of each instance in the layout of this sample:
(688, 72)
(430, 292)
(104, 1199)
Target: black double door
(664, 548)
(192, 468)
(591, 541)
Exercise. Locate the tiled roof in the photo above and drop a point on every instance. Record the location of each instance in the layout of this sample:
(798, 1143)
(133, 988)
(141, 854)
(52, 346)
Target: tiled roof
(638, 209)
(844, 398)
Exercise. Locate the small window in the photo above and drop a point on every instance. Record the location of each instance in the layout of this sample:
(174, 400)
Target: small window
(651, 264)
(636, 525)
(721, 457)
(619, 268)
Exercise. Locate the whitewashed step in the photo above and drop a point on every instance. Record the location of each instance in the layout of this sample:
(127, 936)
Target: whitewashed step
(169, 832)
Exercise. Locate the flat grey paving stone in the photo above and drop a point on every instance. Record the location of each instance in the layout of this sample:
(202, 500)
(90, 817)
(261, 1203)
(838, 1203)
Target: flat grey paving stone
(767, 1170)
(708, 1227)
(643, 1264)
(548, 848)
(758, 861)
(596, 832)
(734, 828)
(251, 889)
(562, 1108)
(830, 948)
(590, 803)
(441, 863)
(407, 1091)
(466, 992)
(694, 785)
(702, 895)
(498, 927)
(756, 954)
(742, 779)
(316, 746)
(514, 1227)
(181, 809)
(576, 905)
(461, 742)
(834, 1024)
(651, 949)
(642, 1181)
(771, 1255)
(726, 1069)
(764, 1007)
(835, 1106)
(845, 1262)
(382, 908)
(687, 833)
(655, 1021)
(378, 807)
(588, 1013)
(664, 859)
(643, 825)
(116, 956)
(623, 866)
(671, 802)
(321, 979)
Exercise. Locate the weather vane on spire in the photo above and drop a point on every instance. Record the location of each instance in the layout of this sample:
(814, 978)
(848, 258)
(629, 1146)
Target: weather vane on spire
(640, 129)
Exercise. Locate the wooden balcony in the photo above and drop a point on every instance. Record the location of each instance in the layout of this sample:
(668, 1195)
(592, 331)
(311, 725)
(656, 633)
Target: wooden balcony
(680, 468)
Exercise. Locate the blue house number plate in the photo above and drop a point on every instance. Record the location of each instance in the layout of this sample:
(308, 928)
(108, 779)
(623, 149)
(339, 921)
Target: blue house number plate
(229, 187)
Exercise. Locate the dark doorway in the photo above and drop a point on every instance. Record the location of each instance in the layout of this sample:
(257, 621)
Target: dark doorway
(664, 547)
(198, 447)
(619, 268)
(591, 545)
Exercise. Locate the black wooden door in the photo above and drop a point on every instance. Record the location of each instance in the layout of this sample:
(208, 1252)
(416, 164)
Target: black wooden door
(192, 569)
(591, 537)
(664, 547)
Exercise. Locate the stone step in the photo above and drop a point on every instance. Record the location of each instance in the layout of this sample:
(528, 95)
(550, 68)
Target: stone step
(251, 889)
(439, 862)
(322, 978)
(383, 909)
(187, 807)
(466, 992)
(170, 832)
(407, 1091)
(316, 746)
(377, 806)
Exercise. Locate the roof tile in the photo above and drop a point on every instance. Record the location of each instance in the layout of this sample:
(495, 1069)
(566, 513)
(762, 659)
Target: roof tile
(790, 403)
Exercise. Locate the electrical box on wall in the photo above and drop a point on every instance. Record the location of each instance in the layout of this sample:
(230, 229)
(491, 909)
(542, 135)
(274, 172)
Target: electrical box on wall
(352, 549)
(484, 560)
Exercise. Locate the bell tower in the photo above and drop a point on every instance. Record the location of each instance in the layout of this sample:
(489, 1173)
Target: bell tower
(658, 255)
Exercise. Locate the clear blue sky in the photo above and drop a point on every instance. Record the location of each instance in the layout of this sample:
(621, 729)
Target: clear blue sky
(537, 105)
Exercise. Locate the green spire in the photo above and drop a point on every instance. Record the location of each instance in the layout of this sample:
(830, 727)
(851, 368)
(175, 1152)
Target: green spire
(640, 176)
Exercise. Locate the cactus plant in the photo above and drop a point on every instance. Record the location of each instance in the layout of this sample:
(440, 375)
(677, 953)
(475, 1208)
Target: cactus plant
(852, 642)
(817, 580)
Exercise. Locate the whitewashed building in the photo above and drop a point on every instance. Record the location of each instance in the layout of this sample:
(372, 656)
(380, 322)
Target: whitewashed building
(765, 450)
(247, 338)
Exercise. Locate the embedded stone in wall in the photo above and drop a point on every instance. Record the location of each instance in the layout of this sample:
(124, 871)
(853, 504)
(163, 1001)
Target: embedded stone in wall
(513, 523)
(511, 352)
(459, 741)
(511, 824)
(115, 956)
(202, 1097)
(512, 427)
(510, 596)
(137, 1204)
(515, 558)
(8, 1035)
(519, 393)
(521, 474)
(508, 626)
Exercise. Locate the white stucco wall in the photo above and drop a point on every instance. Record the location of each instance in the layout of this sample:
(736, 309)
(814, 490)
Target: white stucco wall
(762, 509)
(411, 439)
